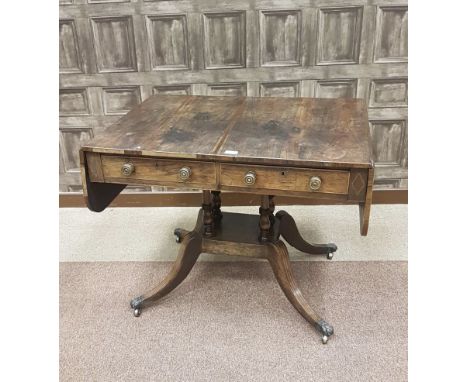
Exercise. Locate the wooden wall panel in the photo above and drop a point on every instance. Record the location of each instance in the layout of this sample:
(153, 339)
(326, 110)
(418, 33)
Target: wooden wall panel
(280, 89)
(280, 38)
(70, 140)
(116, 53)
(392, 34)
(337, 89)
(224, 40)
(73, 102)
(174, 90)
(167, 39)
(389, 143)
(69, 51)
(339, 35)
(389, 92)
(230, 89)
(114, 44)
(120, 100)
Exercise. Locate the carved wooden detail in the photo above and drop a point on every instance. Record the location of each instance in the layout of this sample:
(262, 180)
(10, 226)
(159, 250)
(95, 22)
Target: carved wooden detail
(216, 202)
(208, 220)
(264, 222)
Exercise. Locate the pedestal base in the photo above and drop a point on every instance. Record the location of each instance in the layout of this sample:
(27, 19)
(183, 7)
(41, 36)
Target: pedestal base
(240, 235)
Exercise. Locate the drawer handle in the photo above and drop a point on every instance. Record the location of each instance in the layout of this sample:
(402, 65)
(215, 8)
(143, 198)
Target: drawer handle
(128, 169)
(184, 173)
(315, 183)
(249, 178)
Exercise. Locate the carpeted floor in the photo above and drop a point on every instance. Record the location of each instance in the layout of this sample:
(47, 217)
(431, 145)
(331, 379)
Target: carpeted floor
(231, 322)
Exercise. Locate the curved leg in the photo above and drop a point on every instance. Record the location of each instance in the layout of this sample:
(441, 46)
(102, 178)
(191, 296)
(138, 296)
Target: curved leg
(188, 254)
(288, 229)
(180, 233)
(279, 260)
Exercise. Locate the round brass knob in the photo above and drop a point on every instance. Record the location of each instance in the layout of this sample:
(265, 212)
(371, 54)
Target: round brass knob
(315, 183)
(128, 169)
(249, 178)
(184, 173)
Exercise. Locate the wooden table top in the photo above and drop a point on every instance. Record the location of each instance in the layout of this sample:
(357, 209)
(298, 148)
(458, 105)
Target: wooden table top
(285, 131)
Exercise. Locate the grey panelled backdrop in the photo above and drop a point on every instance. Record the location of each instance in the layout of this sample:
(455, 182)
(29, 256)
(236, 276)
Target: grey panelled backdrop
(115, 54)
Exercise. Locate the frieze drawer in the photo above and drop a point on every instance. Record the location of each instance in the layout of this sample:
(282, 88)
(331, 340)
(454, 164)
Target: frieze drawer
(176, 173)
(285, 178)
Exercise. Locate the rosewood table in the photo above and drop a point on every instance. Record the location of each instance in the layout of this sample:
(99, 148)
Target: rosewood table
(304, 147)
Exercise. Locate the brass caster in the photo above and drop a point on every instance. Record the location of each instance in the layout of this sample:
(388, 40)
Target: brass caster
(331, 250)
(177, 235)
(136, 305)
(325, 329)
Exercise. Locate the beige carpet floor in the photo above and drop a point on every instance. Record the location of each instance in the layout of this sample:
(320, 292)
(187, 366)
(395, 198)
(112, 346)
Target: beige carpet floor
(231, 322)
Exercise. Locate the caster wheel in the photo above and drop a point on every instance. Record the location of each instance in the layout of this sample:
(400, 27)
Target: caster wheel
(177, 235)
(137, 312)
(330, 255)
(324, 340)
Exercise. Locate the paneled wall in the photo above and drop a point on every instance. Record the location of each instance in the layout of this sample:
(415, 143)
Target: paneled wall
(115, 54)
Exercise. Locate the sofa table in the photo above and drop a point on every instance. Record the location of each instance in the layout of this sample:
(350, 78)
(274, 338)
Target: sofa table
(304, 147)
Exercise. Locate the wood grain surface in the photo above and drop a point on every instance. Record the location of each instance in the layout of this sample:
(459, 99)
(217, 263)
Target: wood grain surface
(296, 131)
